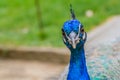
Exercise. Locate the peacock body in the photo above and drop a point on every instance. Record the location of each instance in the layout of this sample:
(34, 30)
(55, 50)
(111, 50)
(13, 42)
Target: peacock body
(102, 65)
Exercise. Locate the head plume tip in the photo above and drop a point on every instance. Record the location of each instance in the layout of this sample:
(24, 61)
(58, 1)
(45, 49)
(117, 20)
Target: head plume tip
(72, 12)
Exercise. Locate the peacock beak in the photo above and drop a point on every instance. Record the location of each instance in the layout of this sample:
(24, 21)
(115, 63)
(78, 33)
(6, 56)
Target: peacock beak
(73, 43)
(72, 37)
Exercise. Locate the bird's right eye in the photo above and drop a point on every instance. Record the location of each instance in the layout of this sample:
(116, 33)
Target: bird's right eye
(63, 33)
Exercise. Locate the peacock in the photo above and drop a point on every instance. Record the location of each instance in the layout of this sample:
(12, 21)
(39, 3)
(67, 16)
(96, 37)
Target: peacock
(102, 65)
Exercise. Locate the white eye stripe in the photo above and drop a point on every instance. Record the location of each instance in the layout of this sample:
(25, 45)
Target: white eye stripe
(70, 41)
(85, 36)
(67, 36)
(78, 32)
(78, 40)
(64, 39)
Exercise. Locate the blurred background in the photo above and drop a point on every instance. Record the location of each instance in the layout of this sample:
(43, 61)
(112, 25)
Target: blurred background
(19, 23)
(34, 26)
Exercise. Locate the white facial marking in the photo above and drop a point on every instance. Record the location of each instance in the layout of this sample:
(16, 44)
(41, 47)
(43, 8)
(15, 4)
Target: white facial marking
(73, 38)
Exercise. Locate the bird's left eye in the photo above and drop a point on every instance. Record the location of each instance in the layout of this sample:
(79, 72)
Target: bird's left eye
(82, 30)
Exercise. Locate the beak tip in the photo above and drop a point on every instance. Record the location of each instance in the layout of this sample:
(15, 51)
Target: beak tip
(74, 46)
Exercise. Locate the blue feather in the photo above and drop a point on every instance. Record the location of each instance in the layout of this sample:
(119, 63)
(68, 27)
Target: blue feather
(77, 67)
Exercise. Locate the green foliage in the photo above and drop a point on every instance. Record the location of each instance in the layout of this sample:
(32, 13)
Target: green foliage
(19, 25)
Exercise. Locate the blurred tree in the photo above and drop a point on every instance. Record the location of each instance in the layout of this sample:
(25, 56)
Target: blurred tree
(40, 21)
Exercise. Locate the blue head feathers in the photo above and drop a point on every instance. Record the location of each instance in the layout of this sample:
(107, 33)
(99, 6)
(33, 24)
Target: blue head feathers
(73, 31)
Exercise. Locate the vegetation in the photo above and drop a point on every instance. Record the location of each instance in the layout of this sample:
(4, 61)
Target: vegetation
(19, 23)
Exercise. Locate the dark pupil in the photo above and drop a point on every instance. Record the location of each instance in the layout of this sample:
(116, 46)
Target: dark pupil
(82, 30)
(63, 33)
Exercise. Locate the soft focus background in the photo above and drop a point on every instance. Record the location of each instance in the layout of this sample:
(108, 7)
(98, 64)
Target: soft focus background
(31, 46)
(19, 24)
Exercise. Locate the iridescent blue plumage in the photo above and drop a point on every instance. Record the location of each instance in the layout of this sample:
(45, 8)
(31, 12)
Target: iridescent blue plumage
(71, 25)
(73, 38)
(77, 67)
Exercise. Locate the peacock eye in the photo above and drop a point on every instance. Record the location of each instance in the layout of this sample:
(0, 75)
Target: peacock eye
(82, 30)
(63, 33)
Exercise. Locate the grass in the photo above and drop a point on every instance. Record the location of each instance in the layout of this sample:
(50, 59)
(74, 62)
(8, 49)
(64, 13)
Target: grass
(19, 25)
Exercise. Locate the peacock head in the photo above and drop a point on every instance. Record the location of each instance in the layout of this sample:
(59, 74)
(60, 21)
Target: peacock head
(73, 34)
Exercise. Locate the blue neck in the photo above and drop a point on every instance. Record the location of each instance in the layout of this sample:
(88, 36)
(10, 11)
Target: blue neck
(77, 68)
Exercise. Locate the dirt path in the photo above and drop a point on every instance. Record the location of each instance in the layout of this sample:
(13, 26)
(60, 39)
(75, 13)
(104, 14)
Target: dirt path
(105, 34)
(28, 70)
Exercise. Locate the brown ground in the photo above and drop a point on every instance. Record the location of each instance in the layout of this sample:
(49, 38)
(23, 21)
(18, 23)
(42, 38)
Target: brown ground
(28, 70)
